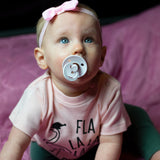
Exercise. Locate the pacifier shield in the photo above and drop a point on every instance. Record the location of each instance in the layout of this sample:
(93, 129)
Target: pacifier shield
(74, 67)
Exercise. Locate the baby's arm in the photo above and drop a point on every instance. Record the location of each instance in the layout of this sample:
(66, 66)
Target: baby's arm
(109, 147)
(15, 146)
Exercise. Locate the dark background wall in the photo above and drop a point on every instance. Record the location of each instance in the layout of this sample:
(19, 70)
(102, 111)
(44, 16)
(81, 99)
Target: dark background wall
(25, 13)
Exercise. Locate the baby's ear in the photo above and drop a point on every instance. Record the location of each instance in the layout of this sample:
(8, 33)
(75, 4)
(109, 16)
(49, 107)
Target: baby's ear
(104, 50)
(40, 58)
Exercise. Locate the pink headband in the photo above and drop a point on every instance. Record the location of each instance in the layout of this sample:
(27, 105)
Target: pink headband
(52, 12)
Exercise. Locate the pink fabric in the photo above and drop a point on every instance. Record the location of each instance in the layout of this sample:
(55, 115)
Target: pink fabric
(18, 68)
(133, 58)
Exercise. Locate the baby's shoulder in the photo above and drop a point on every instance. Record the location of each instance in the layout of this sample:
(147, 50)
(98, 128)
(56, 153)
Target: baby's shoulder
(107, 81)
(39, 85)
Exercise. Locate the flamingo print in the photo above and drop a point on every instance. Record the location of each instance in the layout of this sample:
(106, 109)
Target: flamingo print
(55, 128)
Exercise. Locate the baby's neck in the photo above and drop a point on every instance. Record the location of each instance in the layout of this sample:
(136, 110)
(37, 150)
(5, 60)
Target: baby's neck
(70, 89)
(76, 88)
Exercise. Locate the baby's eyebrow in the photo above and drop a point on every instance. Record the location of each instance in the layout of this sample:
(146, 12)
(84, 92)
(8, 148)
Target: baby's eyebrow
(60, 30)
(90, 31)
(61, 33)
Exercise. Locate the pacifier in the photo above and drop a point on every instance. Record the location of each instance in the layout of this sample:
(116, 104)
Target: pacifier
(74, 67)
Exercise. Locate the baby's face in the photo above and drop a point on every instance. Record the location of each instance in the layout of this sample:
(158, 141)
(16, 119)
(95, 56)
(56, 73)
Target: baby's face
(73, 33)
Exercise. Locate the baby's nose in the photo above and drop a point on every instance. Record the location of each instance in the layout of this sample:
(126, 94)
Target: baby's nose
(78, 49)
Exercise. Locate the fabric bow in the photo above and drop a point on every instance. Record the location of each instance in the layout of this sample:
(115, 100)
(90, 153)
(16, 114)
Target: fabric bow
(66, 6)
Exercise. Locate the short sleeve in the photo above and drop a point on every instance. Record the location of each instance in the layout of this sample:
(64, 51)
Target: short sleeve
(114, 118)
(26, 116)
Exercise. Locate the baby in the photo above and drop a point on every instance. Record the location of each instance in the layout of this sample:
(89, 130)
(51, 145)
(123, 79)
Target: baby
(75, 111)
(74, 106)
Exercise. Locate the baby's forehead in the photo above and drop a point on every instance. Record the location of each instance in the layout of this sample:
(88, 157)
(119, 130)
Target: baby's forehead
(68, 20)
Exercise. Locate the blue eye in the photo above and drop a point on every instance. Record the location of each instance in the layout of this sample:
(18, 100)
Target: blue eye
(88, 40)
(64, 40)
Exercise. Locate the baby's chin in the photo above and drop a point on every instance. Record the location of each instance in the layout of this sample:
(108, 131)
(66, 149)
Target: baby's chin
(86, 79)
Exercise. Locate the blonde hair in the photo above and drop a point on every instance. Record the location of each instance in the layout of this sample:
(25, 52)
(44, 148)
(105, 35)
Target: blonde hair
(39, 27)
(41, 21)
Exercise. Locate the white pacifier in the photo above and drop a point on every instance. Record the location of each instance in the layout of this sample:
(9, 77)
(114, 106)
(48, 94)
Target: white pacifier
(74, 67)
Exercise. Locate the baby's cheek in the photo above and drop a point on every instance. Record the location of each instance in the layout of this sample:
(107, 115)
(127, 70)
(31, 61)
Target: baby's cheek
(94, 64)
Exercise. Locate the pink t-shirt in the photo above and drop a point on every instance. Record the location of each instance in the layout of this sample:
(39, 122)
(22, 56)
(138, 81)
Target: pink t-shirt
(66, 126)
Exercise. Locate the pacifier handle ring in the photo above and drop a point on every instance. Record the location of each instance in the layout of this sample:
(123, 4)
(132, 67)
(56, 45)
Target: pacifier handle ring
(74, 67)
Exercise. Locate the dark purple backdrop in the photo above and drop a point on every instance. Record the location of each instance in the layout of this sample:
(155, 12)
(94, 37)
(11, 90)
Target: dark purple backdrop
(25, 13)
